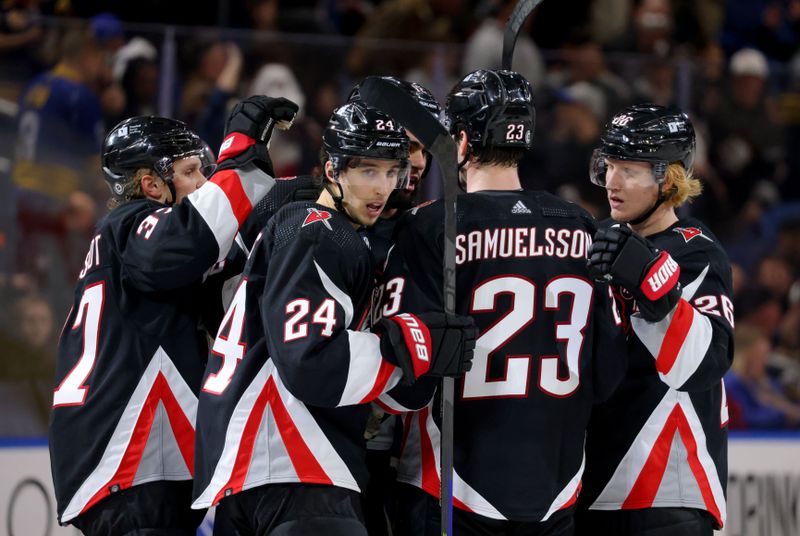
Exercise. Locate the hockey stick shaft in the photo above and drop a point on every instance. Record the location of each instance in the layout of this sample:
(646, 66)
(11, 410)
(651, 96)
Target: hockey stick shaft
(513, 26)
(404, 109)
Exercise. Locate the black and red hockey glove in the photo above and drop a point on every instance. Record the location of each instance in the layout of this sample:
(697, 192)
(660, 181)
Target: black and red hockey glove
(436, 344)
(626, 259)
(248, 130)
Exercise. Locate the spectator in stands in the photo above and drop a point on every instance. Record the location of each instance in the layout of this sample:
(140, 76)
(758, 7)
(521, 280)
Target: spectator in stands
(757, 307)
(746, 140)
(209, 89)
(20, 31)
(294, 151)
(481, 49)
(755, 399)
(57, 161)
(585, 62)
(26, 381)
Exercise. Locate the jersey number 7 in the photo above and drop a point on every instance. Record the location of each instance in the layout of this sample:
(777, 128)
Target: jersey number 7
(523, 292)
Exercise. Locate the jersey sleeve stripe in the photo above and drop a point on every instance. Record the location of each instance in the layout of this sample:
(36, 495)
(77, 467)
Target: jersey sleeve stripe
(385, 373)
(231, 184)
(341, 297)
(679, 342)
(367, 370)
(213, 205)
(677, 330)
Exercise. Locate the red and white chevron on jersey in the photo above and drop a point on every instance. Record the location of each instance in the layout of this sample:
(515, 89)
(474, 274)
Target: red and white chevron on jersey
(272, 438)
(654, 472)
(154, 432)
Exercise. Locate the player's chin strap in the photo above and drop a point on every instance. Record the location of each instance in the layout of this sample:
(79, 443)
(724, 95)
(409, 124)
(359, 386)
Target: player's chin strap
(338, 201)
(171, 186)
(659, 200)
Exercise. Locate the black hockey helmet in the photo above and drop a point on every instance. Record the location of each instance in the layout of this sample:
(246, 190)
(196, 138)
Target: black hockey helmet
(645, 133)
(357, 130)
(420, 93)
(150, 142)
(494, 107)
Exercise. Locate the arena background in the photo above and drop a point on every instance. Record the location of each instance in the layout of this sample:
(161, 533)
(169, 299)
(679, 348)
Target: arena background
(733, 66)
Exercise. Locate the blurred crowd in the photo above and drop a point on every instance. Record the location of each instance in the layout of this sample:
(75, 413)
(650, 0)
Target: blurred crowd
(70, 70)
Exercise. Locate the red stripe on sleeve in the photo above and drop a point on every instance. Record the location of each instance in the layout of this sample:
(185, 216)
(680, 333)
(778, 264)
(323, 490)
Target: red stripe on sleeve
(384, 373)
(676, 334)
(230, 183)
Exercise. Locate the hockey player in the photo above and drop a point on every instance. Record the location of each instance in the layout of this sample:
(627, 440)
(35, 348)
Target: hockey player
(382, 427)
(286, 391)
(549, 344)
(419, 159)
(657, 449)
(130, 357)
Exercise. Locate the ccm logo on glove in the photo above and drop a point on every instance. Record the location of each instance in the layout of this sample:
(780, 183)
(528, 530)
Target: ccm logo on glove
(662, 277)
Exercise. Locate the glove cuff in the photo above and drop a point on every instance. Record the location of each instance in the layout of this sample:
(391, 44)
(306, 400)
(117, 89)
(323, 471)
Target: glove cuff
(233, 145)
(661, 277)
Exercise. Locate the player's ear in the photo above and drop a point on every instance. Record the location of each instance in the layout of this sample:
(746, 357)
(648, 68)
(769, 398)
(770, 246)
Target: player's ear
(462, 144)
(329, 171)
(150, 186)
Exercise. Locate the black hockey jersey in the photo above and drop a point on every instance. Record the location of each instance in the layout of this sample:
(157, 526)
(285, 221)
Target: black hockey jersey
(284, 398)
(226, 274)
(549, 346)
(661, 439)
(131, 356)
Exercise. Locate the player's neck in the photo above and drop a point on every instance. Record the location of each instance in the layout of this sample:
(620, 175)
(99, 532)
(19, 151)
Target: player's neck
(662, 219)
(491, 177)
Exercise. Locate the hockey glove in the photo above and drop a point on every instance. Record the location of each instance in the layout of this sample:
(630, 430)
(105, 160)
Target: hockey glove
(628, 260)
(248, 130)
(436, 344)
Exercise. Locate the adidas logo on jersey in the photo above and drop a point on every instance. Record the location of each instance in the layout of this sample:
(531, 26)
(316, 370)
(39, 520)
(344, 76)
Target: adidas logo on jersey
(520, 208)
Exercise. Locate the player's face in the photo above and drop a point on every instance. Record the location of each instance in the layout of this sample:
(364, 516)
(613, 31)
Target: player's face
(630, 187)
(187, 176)
(405, 198)
(366, 187)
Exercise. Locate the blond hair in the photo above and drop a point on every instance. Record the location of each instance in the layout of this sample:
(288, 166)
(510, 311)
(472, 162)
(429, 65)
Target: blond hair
(680, 186)
(132, 188)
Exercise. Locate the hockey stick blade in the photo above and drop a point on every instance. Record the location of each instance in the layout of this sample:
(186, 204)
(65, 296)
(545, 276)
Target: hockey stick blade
(513, 26)
(408, 112)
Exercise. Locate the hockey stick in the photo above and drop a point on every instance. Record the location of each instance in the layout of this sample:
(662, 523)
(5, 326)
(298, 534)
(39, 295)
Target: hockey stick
(408, 112)
(513, 26)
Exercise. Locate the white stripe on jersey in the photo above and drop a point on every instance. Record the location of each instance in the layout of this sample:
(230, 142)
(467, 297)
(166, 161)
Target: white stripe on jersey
(621, 482)
(619, 488)
(472, 499)
(341, 297)
(215, 208)
(233, 437)
(568, 494)
(114, 453)
(703, 455)
(315, 439)
(255, 183)
(694, 344)
(364, 370)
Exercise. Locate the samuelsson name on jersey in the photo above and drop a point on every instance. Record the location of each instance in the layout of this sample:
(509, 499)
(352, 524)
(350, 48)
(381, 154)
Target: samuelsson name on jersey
(522, 242)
